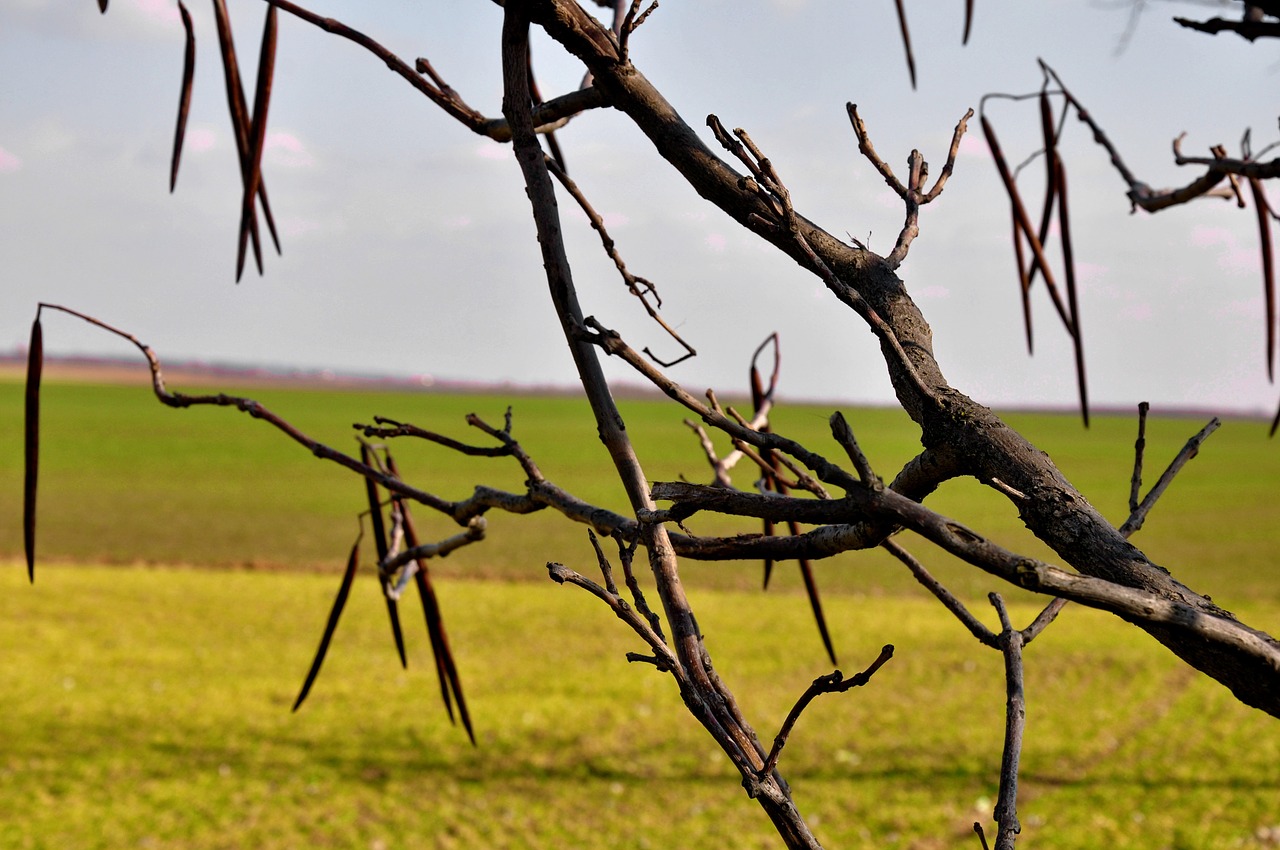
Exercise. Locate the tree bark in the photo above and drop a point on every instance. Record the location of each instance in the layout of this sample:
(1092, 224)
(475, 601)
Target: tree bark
(950, 421)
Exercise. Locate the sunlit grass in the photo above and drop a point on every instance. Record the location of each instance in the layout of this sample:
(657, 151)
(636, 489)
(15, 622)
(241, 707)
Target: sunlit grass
(150, 707)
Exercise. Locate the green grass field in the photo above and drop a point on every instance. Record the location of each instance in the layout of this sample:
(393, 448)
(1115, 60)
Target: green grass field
(127, 481)
(149, 706)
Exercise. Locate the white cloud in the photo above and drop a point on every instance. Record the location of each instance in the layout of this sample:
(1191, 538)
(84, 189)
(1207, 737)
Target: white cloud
(287, 151)
(9, 161)
(934, 292)
(492, 150)
(200, 139)
(972, 146)
(1231, 255)
(159, 11)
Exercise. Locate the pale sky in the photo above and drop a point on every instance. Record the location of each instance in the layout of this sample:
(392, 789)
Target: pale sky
(408, 247)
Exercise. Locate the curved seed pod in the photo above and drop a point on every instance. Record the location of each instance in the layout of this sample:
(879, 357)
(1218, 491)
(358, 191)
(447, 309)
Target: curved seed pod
(257, 139)
(906, 42)
(446, 669)
(380, 541)
(815, 603)
(1022, 220)
(1050, 136)
(1069, 264)
(35, 365)
(339, 603)
(184, 99)
(1268, 270)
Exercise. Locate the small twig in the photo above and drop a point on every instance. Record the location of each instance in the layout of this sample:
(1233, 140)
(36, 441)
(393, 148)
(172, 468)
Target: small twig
(948, 600)
(772, 191)
(832, 683)
(962, 127)
(868, 150)
(475, 532)
(612, 343)
(663, 658)
(630, 23)
(719, 468)
(1007, 490)
(626, 554)
(1042, 620)
(641, 288)
(1139, 515)
(605, 569)
(404, 429)
(1139, 450)
(913, 194)
(257, 411)
(844, 436)
(547, 116)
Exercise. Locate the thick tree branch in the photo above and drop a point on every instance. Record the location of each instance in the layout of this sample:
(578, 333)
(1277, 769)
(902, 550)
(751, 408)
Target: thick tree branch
(1251, 30)
(547, 116)
(706, 697)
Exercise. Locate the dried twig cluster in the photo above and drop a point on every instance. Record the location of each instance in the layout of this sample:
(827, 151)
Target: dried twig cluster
(1249, 168)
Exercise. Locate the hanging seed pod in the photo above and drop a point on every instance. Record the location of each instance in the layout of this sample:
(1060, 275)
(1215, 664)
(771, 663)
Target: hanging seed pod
(31, 418)
(331, 625)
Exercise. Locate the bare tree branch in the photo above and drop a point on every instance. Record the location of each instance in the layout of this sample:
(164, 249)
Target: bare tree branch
(1251, 30)
(832, 683)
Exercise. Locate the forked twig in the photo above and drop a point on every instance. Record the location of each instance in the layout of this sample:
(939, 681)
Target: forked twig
(913, 194)
(638, 286)
(1138, 511)
(832, 683)
(1006, 810)
(663, 658)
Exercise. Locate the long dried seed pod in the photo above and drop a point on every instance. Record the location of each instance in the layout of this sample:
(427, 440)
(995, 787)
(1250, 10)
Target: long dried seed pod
(257, 139)
(1261, 206)
(335, 612)
(184, 98)
(906, 41)
(31, 419)
(1050, 137)
(1024, 283)
(1069, 266)
(815, 602)
(240, 121)
(446, 668)
(1022, 219)
(380, 542)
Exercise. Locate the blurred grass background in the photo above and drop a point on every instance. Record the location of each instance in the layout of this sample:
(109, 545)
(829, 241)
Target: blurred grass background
(125, 480)
(149, 706)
